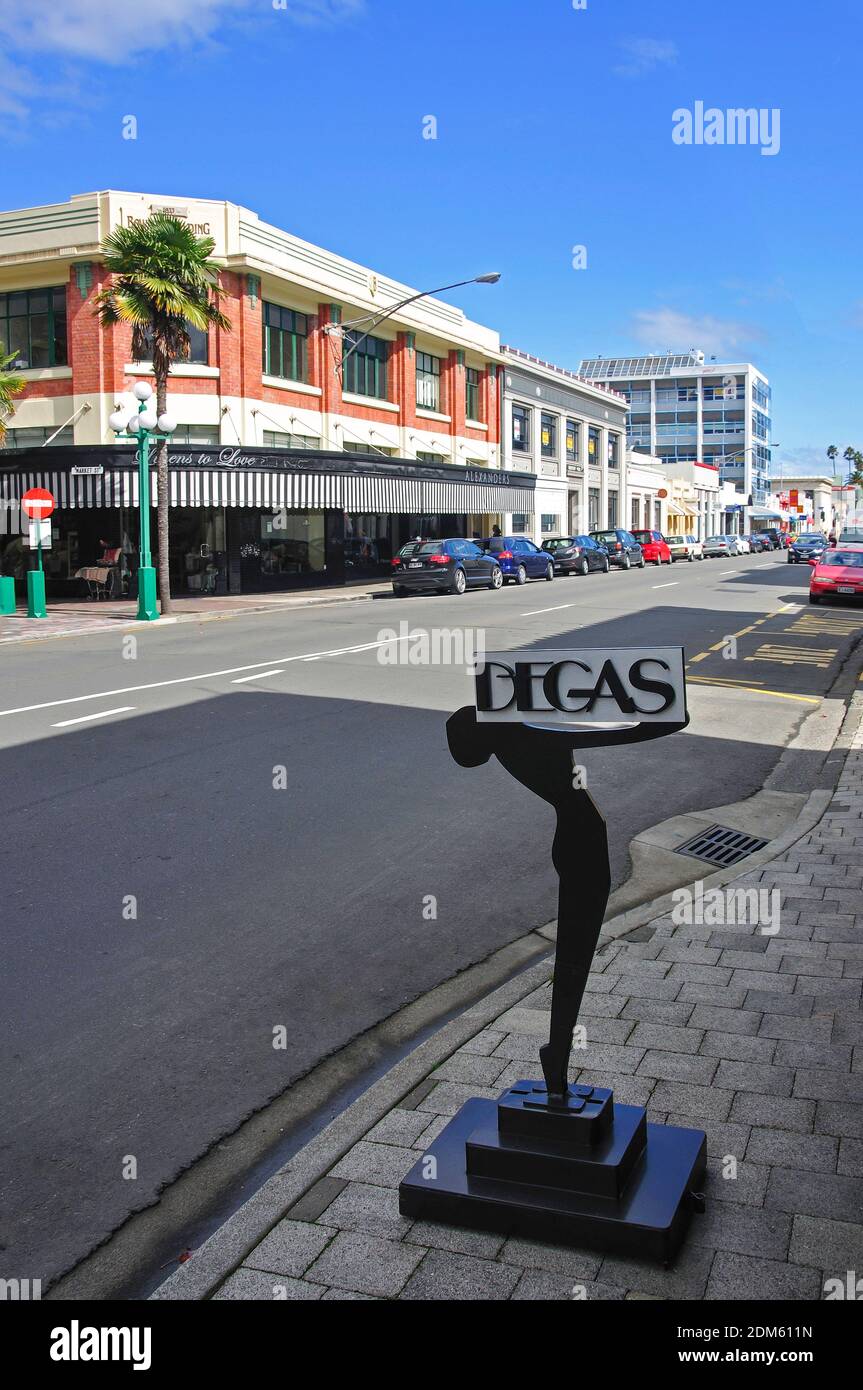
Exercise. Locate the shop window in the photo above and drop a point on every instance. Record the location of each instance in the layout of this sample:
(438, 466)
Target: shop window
(365, 369)
(428, 381)
(520, 523)
(520, 429)
(298, 547)
(285, 343)
(549, 523)
(33, 327)
(593, 508)
(612, 508)
(472, 394)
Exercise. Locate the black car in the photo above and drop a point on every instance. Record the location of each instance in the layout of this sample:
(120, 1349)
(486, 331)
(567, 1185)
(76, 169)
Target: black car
(623, 549)
(758, 542)
(444, 567)
(811, 545)
(774, 535)
(576, 554)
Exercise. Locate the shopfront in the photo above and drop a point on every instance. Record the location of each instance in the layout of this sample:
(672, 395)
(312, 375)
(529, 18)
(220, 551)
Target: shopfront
(246, 520)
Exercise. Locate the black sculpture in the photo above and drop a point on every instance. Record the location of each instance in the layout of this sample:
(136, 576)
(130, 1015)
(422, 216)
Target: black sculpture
(558, 1160)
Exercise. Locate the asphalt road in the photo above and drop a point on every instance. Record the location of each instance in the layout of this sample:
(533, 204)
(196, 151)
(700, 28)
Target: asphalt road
(166, 907)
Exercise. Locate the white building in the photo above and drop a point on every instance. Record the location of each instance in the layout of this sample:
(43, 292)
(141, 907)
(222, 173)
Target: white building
(571, 434)
(686, 408)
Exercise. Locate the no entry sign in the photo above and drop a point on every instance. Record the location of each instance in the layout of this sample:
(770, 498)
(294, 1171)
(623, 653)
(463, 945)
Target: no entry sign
(38, 503)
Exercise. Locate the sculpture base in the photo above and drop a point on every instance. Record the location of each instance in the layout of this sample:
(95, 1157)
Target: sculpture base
(631, 1191)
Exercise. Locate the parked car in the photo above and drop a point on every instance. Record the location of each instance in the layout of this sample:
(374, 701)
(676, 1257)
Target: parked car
(447, 566)
(519, 559)
(623, 549)
(837, 573)
(718, 545)
(773, 535)
(740, 545)
(654, 547)
(576, 554)
(758, 545)
(685, 548)
(809, 544)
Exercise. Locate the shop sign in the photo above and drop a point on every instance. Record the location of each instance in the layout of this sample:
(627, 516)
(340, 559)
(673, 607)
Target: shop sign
(592, 686)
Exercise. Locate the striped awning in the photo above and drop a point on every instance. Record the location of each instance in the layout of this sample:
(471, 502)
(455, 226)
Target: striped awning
(274, 488)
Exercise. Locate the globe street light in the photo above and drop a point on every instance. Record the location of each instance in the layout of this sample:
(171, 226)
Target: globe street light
(144, 426)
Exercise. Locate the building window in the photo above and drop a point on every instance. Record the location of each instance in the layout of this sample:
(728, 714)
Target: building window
(521, 429)
(635, 513)
(472, 394)
(199, 347)
(593, 445)
(365, 370)
(572, 442)
(278, 439)
(548, 433)
(33, 327)
(428, 381)
(35, 438)
(424, 457)
(348, 448)
(196, 434)
(519, 523)
(612, 508)
(285, 343)
(613, 454)
(549, 523)
(593, 509)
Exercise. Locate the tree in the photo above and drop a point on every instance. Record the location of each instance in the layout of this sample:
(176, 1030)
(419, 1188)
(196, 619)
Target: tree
(831, 454)
(162, 281)
(10, 387)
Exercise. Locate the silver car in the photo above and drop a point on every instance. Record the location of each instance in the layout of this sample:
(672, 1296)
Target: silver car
(718, 545)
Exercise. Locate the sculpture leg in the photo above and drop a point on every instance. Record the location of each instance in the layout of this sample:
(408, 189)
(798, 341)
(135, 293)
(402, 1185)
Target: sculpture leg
(580, 855)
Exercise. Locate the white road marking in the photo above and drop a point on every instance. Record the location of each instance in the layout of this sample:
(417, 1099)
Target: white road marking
(257, 676)
(533, 612)
(728, 571)
(201, 676)
(669, 584)
(84, 718)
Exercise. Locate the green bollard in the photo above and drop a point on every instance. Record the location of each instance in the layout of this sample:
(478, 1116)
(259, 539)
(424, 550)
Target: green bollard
(7, 595)
(36, 594)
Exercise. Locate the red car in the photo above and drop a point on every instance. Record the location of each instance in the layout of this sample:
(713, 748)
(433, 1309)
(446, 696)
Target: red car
(654, 547)
(838, 574)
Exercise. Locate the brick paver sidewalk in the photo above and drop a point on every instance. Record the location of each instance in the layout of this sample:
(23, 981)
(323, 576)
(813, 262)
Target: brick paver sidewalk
(755, 1038)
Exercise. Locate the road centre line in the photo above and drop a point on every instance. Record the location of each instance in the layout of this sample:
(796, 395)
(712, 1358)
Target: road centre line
(256, 676)
(534, 611)
(728, 571)
(200, 676)
(669, 584)
(84, 718)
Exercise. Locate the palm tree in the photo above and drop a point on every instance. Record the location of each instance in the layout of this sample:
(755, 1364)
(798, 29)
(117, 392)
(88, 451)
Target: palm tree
(162, 281)
(831, 454)
(10, 387)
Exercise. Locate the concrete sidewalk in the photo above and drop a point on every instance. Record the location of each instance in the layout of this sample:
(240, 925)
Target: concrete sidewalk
(70, 618)
(755, 1038)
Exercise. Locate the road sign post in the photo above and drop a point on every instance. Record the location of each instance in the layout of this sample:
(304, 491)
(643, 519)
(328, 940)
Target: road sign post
(551, 1160)
(38, 504)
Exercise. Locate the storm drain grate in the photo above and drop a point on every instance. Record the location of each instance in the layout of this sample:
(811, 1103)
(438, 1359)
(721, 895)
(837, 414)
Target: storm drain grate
(720, 845)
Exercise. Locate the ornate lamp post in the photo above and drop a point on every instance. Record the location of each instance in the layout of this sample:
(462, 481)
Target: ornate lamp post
(144, 426)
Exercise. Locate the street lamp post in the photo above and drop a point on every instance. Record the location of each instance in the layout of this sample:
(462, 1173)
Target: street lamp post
(374, 320)
(145, 427)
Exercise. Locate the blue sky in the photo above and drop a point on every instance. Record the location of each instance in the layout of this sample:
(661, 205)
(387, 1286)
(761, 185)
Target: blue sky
(554, 130)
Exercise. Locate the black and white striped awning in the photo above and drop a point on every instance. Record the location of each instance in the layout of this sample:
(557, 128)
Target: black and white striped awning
(271, 489)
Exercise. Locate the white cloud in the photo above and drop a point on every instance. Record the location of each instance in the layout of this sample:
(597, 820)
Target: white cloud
(658, 329)
(644, 55)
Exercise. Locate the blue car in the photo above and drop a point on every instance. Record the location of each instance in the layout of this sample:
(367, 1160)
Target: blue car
(519, 559)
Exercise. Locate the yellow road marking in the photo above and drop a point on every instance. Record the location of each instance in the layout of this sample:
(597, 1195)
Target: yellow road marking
(791, 656)
(757, 690)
